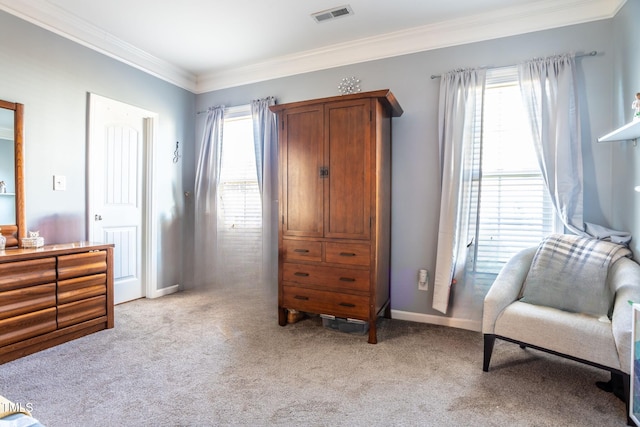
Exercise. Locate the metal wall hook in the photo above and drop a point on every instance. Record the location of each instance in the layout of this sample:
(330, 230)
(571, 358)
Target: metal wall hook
(176, 153)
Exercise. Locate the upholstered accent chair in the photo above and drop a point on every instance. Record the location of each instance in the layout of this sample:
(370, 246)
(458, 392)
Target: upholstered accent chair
(548, 316)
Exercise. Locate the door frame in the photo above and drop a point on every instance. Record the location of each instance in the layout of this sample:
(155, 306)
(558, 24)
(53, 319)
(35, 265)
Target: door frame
(149, 258)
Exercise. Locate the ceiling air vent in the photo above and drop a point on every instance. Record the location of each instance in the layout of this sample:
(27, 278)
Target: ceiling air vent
(328, 15)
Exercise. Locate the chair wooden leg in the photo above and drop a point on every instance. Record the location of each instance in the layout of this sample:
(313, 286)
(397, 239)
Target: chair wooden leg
(489, 340)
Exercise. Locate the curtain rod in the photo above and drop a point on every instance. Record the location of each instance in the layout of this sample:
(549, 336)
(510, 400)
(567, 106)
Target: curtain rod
(230, 110)
(238, 108)
(592, 53)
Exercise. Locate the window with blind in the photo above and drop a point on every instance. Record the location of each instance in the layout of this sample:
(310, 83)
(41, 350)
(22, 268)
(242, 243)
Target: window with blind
(240, 211)
(514, 210)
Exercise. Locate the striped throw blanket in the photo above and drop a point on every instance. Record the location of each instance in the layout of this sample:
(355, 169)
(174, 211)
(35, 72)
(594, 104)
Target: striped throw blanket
(569, 272)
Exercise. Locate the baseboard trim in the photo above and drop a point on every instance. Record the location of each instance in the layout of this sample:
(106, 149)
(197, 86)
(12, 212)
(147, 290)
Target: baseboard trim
(471, 325)
(165, 291)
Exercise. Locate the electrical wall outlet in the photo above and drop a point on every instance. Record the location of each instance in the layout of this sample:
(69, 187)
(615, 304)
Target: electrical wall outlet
(423, 280)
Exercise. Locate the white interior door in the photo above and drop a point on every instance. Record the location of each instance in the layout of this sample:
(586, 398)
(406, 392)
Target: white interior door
(117, 149)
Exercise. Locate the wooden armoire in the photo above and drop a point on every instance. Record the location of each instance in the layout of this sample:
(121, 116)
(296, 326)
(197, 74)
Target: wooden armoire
(335, 206)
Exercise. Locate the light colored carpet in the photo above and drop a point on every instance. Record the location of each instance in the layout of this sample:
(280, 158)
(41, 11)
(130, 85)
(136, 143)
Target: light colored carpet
(218, 357)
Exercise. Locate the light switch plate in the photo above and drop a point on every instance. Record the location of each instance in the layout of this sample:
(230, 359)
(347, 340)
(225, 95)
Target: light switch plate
(59, 183)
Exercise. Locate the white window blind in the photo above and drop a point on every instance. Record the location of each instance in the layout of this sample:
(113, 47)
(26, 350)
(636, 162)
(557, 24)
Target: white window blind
(515, 211)
(240, 211)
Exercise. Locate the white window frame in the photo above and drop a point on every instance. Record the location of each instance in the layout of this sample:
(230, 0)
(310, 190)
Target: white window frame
(239, 239)
(486, 261)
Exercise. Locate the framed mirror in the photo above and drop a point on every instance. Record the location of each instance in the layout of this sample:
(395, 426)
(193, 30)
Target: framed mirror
(12, 211)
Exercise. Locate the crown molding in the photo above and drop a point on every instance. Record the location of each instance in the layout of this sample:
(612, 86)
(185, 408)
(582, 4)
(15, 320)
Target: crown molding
(501, 23)
(58, 21)
(505, 22)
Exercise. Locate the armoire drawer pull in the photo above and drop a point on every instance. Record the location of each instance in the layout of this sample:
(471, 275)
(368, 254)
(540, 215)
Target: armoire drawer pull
(347, 279)
(303, 251)
(347, 254)
(301, 274)
(346, 304)
(302, 297)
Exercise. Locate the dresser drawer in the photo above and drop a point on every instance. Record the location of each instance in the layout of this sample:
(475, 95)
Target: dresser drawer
(81, 288)
(302, 250)
(26, 300)
(20, 274)
(325, 302)
(83, 264)
(348, 253)
(27, 326)
(79, 311)
(331, 277)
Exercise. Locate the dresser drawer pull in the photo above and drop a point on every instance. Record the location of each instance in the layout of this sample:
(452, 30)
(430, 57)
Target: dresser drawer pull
(301, 297)
(301, 274)
(347, 254)
(302, 251)
(347, 279)
(346, 304)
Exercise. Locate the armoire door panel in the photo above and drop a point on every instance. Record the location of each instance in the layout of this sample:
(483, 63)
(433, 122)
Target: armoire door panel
(302, 191)
(348, 153)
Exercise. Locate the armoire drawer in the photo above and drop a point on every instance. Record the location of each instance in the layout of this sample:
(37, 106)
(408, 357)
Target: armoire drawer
(331, 277)
(27, 300)
(302, 250)
(325, 302)
(20, 274)
(80, 288)
(25, 326)
(82, 264)
(80, 311)
(348, 253)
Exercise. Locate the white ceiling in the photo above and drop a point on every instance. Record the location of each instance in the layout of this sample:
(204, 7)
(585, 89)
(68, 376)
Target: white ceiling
(204, 45)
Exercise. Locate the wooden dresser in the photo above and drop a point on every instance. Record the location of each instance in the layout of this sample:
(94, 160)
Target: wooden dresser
(53, 294)
(335, 202)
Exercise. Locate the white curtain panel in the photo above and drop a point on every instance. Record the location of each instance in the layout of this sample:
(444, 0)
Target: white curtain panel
(265, 137)
(459, 108)
(206, 209)
(551, 100)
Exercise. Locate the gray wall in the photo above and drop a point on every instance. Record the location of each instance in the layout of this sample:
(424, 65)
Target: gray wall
(626, 156)
(416, 190)
(51, 76)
